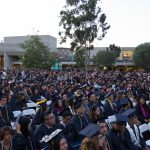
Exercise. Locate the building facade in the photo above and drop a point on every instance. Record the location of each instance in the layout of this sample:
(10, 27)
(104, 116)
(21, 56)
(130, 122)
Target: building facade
(11, 52)
(125, 58)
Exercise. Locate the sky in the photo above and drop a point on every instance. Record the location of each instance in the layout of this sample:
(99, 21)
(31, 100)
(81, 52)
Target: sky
(129, 20)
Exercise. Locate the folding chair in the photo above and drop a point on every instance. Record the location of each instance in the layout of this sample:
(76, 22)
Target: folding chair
(16, 113)
(48, 103)
(110, 120)
(149, 126)
(144, 127)
(145, 133)
(148, 142)
(31, 105)
(147, 102)
(28, 112)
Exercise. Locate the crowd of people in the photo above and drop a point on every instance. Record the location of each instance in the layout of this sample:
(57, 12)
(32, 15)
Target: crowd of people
(74, 110)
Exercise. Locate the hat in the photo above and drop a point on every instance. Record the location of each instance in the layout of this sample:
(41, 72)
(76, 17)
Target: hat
(130, 113)
(102, 120)
(90, 130)
(65, 112)
(121, 119)
(121, 92)
(124, 101)
(142, 96)
(21, 93)
(78, 104)
(2, 95)
(24, 120)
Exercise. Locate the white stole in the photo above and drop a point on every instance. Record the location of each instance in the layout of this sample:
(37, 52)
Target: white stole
(135, 136)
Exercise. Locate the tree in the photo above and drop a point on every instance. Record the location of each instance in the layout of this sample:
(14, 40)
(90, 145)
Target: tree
(37, 54)
(81, 21)
(80, 58)
(115, 49)
(104, 58)
(141, 56)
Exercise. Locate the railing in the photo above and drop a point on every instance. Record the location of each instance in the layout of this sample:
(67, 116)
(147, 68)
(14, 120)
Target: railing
(124, 62)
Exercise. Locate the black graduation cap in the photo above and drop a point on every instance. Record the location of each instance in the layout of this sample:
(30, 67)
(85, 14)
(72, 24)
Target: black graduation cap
(2, 95)
(97, 93)
(142, 96)
(21, 93)
(102, 120)
(90, 130)
(65, 112)
(121, 119)
(78, 104)
(24, 120)
(130, 113)
(121, 92)
(124, 101)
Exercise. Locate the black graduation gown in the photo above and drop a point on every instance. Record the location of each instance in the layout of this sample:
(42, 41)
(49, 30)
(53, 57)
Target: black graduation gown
(40, 132)
(119, 143)
(68, 132)
(79, 123)
(18, 143)
(109, 111)
(6, 116)
(140, 116)
(20, 105)
(37, 120)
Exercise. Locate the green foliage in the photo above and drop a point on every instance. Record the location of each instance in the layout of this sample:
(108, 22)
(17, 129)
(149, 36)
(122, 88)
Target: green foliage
(141, 56)
(104, 58)
(82, 22)
(80, 58)
(115, 49)
(37, 54)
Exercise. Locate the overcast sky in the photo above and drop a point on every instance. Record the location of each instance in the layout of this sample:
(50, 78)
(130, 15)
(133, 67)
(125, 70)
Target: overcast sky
(129, 20)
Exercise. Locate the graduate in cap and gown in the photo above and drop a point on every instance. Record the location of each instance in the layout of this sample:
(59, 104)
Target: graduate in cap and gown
(56, 141)
(93, 101)
(95, 114)
(93, 139)
(143, 112)
(21, 101)
(66, 126)
(60, 143)
(46, 128)
(14, 140)
(80, 120)
(6, 115)
(133, 129)
(26, 132)
(104, 130)
(124, 103)
(120, 97)
(118, 136)
(10, 140)
(109, 106)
